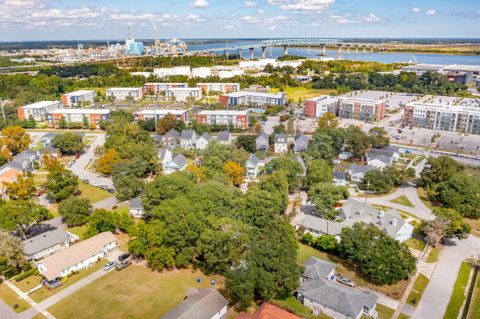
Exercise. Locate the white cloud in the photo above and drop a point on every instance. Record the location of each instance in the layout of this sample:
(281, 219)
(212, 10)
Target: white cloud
(372, 18)
(431, 12)
(302, 5)
(416, 10)
(250, 4)
(201, 4)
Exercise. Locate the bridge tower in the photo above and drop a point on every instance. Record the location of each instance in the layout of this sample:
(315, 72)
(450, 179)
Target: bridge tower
(239, 53)
(285, 49)
(264, 52)
(250, 50)
(340, 51)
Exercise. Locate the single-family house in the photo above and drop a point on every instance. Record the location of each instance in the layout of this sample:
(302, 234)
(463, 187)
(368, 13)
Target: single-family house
(188, 139)
(320, 291)
(390, 151)
(267, 311)
(164, 156)
(170, 139)
(157, 138)
(224, 137)
(281, 143)
(46, 244)
(379, 161)
(76, 257)
(300, 143)
(357, 172)
(25, 161)
(339, 178)
(262, 142)
(48, 138)
(176, 164)
(252, 166)
(202, 141)
(345, 155)
(136, 208)
(200, 303)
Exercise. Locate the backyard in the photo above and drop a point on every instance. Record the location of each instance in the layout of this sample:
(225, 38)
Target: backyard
(94, 194)
(135, 292)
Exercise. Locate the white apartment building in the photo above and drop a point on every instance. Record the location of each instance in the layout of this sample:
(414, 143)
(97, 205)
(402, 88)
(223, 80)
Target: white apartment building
(83, 97)
(202, 72)
(39, 110)
(181, 94)
(219, 87)
(464, 118)
(122, 94)
(176, 70)
(226, 74)
(318, 106)
(157, 87)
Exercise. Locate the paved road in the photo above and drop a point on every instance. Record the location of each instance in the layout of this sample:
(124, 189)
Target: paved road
(271, 122)
(437, 295)
(79, 168)
(106, 203)
(6, 312)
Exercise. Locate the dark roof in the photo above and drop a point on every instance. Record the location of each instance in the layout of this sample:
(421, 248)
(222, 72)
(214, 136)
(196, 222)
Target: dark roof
(43, 241)
(262, 135)
(135, 203)
(187, 134)
(172, 133)
(206, 136)
(301, 138)
(157, 137)
(201, 303)
(223, 136)
(338, 175)
(281, 138)
(354, 169)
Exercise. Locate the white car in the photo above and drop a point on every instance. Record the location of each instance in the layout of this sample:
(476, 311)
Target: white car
(93, 183)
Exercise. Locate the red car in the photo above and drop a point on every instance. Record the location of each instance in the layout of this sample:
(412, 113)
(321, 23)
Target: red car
(77, 156)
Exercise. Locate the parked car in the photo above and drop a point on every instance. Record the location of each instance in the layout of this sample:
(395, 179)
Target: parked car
(124, 257)
(86, 181)
(123, 264)
(109, 266)
(93, 183)
(111, 190)
(104, 187)
(77, 156)
(345, 281)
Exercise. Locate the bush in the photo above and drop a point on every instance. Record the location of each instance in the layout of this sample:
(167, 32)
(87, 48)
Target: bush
(26, 274)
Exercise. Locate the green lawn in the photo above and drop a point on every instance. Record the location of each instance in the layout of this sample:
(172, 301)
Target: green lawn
(303, 93)
(422, 194)
(384, 312)
(474, 311)
(417, 290)
(135, 292)
(44, 293)
(79, 231)
(346, 269)
(11, 298)
(458, 294)
(293, 305)
(433, 256)
(415, 243)
(28, 283)
(402, 200)
(94, 194)
(39, 178)
(403, 316)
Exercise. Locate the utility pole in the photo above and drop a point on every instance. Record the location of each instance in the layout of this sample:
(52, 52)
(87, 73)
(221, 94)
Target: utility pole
(3, 111)
(366, 192)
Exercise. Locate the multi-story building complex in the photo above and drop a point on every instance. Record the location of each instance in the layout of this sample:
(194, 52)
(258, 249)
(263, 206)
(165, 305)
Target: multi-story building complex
(201, 72)
(455, 72)
(317, 106)
(236, 119)
(463, 118)
(181, 94)
(76, 98)
(154, 88)
(253, 99)
(93, 116)
(219, 87)
(181, 115)
(124, 93)
(39, 111)
(366, 110)
(176, 70)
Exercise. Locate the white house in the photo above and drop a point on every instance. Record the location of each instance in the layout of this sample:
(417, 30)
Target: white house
(379, 161)
(202, 141)
(281, 143)
(252, 166)
(224, 137)
(188, 139)
(46, 243)
(357, 172)
(177, 164)
(164, 156)
(339, 178)
(136, 208)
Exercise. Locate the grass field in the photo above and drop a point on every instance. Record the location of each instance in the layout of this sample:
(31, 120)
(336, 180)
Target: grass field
(79, 231)
(402, 200)
(423, 196)
(415, 243)
(458, 294)
(11, 298)
(28, 283)
(474, 311)
(94, 194)
(384, 312)
(304, 93)
(44, 293)
(418, 289)
(433, 256)
(347, 270)
(293, 305)
(135, 292)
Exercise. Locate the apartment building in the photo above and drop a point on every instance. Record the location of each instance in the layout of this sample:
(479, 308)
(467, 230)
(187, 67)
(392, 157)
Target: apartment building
(176, 70)
(258, 99)
(155, 88)
(181, 115)
(81, 97)
(316, 107)
(181, 94)
(464, 118)
(219, 87)
(39, 110)
(366, 110)
(122, 94)
(93, 116)
(236, 119)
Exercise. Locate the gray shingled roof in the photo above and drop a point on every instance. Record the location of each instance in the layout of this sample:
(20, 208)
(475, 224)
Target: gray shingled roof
(187, 134)
(281, 138)
(180, 160)
(301, 138)
(337, 175)
(253, 159)
(172, 133)
(206, 136)
(135, 203)
(43, 241)
(340, 298)
(201, 303)
(223, 136)
(382, 158)
(322, 225)
(354, 169)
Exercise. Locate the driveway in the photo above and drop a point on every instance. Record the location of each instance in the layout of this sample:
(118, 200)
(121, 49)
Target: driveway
(272, 121)
(437, 295)
(79, 168)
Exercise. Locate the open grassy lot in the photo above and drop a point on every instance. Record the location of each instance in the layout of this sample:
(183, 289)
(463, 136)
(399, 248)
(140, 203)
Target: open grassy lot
(402, 200)
(94, 194)
(458, 294)
(415, 243)
(135, 292)
(11, 298)
(346, 269)
(433, 255)
(44, 293)
(296, 93)
(384, 312)
(418, 289)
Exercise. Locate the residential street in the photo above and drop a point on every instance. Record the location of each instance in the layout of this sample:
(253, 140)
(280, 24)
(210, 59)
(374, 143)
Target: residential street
(437, 295)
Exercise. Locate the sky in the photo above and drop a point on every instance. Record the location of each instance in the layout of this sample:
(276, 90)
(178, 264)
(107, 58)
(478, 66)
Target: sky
(22, 20)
